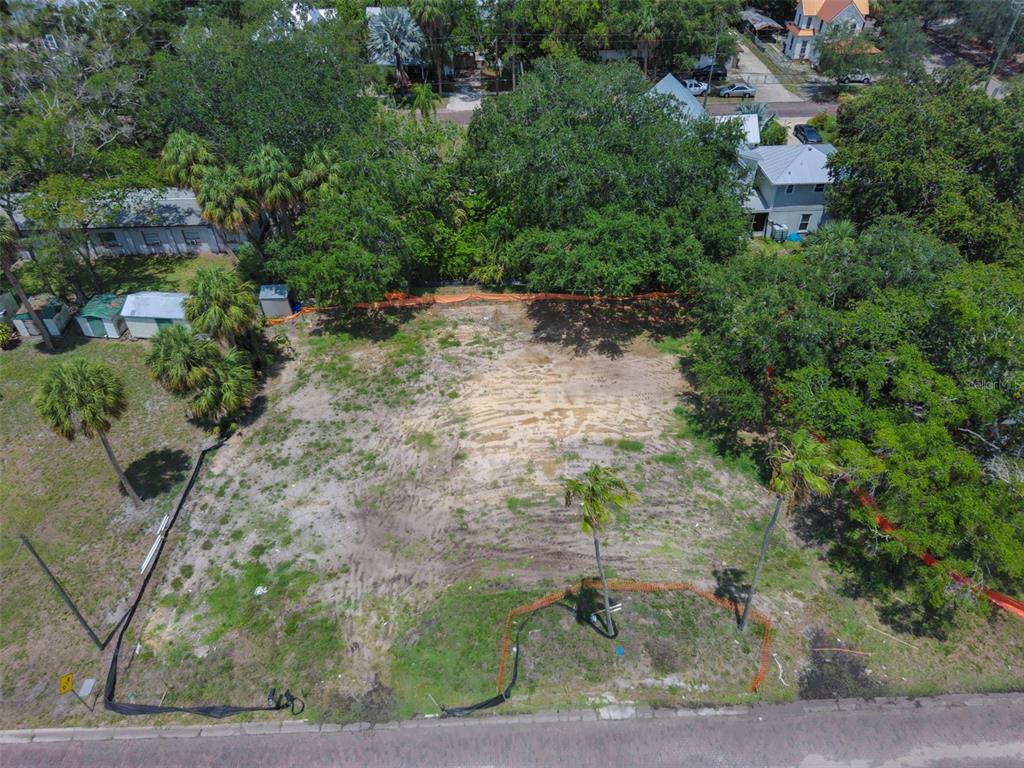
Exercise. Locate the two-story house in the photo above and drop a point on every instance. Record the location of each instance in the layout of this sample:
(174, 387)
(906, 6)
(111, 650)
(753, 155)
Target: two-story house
(812, 20)
(788, 186)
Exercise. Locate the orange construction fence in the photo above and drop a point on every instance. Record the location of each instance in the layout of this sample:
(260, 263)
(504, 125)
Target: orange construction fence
(399, 300)
(621, 585)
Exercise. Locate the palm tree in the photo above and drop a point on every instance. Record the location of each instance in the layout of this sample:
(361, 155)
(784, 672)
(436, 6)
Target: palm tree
(319, 167)
(800, 470)
(225, 196)
(394, 35)
(8, 255)
(228, 389)
(180, 360)
(424, 101)
(430, 14)
(220, 304)
(185, 158)
(647, 37)
(601, 495)
(764, 115)
(83, 397)
(270, 174)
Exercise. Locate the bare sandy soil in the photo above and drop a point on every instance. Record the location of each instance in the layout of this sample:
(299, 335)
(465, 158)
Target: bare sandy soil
(430, 461)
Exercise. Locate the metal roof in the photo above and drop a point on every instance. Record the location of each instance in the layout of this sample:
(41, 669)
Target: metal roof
(155, 304)
(147, 208)
(794, 163)
(759, 21)
(103, 306)
(751, 126)
(274, 291)
(670, 86)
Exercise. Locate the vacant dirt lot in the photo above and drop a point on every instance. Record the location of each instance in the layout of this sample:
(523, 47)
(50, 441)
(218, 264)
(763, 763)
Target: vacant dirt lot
(397, 489)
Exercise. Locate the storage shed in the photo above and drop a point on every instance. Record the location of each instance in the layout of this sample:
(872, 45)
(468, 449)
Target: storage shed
(54, 313)
(274, 300)
(147, 312)
(101, 317)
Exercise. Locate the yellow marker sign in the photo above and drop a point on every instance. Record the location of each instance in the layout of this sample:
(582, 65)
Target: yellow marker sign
(67, 683)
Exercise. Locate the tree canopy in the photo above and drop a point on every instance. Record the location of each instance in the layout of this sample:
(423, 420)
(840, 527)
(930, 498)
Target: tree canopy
(940, 151)
(580, 150)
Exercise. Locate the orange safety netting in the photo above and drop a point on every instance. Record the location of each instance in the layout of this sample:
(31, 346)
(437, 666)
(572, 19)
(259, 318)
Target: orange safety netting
(1009, 604)
(635, 586)
(398, 300)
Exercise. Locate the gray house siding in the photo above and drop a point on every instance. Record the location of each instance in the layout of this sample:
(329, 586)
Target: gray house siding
(169, 240)
(802, 196)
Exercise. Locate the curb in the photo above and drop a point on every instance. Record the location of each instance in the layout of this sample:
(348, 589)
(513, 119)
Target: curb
(611, 712)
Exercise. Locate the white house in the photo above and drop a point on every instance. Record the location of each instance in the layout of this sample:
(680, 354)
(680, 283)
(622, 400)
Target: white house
(147, 312)
(788, 184)
(812, 21)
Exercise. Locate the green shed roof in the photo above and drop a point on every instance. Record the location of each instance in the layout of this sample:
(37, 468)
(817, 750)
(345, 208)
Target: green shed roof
(45, 305)
(103, 306)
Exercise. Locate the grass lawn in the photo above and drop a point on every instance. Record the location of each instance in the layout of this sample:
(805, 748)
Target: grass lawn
(128, 274)
(65, 497)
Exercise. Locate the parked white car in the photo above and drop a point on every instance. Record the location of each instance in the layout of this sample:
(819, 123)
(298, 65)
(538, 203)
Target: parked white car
(696, 87)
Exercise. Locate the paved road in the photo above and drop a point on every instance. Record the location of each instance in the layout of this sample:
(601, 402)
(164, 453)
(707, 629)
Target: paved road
(989, 735)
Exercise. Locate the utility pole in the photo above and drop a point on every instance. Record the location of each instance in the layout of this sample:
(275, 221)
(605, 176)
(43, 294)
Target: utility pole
(714, 59)
(1017, 6)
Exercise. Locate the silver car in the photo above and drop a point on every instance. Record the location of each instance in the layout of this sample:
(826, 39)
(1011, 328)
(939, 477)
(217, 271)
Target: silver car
(741, 90)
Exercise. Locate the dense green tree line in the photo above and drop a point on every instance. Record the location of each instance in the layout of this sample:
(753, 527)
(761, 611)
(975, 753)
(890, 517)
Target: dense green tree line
(909, 359)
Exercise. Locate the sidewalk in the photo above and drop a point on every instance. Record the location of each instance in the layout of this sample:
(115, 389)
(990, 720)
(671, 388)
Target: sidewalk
(623, 711)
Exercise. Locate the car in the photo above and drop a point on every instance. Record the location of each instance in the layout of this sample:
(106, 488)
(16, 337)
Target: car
(807, 134)
(856, 77)
(715, 72)
(742, 90)
(696, 87)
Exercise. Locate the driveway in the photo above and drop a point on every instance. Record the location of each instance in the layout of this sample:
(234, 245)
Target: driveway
(755, 72)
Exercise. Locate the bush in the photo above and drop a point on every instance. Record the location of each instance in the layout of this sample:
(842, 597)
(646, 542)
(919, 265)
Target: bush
(8, 337)
(774, 133)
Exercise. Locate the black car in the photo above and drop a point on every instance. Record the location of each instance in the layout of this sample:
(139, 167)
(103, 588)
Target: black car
(715, 72)
(807, 134)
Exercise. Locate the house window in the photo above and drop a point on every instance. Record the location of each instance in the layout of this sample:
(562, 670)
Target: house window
(192, 237)
(109, 240)
(819, 187)
(789, 189)
(805, 222)
(803, 49)
(151, 239)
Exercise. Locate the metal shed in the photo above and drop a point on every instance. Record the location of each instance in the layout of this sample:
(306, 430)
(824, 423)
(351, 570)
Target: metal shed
(147, 312)
(54, 313)
(274, 300)
(101, 317)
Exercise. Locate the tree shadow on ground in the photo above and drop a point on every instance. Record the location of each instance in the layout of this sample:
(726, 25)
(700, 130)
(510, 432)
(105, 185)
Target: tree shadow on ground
(127, 274)
(158, 472)
(730, 585)
(365, 324)
(605, 327)
(870, 569)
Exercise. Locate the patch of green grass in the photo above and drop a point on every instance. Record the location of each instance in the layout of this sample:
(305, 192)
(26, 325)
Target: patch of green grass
(448, 341)
(451, 652)
(670, 459)
(741, 462)
(673, 346)
(516, 505)
(425, 441)
(630, 446)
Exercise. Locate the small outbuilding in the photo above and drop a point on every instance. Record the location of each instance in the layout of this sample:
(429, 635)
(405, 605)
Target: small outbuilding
(54, 313)
(274, 300)
(147, 312)
(101, 317)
